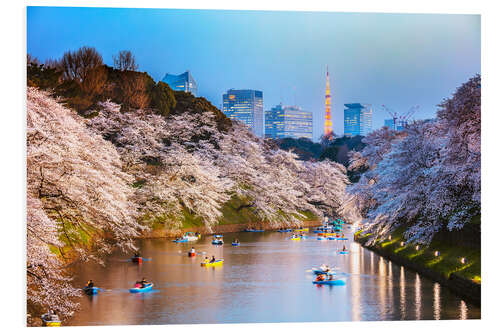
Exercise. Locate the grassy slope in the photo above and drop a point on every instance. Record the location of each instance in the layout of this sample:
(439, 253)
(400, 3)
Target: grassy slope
(446, 263)
(230, 216)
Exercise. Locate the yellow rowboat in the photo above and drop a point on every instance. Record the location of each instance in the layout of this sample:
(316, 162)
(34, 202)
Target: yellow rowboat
(296, 238)
(302, 230)
(50, 320)
(213, 264)
(52, 324)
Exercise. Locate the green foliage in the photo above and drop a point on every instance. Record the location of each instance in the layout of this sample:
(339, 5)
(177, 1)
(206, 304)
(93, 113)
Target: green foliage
(231, 214)
(446, 263)
(128, 88)
(305, 148)
(163, 99)
(42, 77)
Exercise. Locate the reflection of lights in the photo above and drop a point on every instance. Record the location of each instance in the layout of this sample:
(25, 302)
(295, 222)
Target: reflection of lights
(463, 260)
(436, 254)
(418, 297)
(381, 267)
(382, 287)
(356, 282)
(437, 301)
(371, 264)
(463, 310)
(402, 292)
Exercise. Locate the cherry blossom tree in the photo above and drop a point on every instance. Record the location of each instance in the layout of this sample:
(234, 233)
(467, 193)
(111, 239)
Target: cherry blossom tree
(78, 199)
(170, 160)
(428, 177)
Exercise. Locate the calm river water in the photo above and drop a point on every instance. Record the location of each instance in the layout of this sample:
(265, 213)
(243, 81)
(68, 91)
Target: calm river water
(266, 279)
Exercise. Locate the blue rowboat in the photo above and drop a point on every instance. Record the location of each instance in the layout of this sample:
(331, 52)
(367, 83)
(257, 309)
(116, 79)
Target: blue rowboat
(331, 282)
(217, 242)
(286, 230)
(91, 291)
(344, 252)
(235, 244)
(147, 288)
(180, 240)
(332, 238)
(321, 238)
(344, 238)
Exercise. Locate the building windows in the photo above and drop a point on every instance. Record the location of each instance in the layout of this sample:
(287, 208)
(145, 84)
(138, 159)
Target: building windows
(246, 106)
(183, 82)
(357, 119)
(288, 121)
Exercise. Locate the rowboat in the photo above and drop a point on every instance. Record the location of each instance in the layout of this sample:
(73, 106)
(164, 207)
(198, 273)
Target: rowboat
(137, 259)
(147, 288)
(213, 264)
(91, 290)
(331, 282)
(51, 320)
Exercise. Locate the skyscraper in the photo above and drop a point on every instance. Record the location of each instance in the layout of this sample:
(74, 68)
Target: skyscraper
(245, 105)
(401, 124)
(357, 119)
(328, 107)
(288, 122)
(182, 82)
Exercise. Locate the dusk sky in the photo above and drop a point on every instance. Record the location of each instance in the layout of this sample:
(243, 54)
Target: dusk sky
(399, 60)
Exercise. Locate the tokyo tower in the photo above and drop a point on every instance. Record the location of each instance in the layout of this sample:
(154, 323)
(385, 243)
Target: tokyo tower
(328, 107)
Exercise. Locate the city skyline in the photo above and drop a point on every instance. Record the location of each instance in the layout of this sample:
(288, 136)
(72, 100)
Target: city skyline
(395, 59)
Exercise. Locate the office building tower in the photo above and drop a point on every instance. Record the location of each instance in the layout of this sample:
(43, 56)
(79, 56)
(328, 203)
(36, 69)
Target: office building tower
(357, 119)
(288, 122)
(182, 82)
(245, 105)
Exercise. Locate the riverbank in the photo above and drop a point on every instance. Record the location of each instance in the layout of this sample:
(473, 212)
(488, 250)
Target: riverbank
(220, 228)
(455, 267)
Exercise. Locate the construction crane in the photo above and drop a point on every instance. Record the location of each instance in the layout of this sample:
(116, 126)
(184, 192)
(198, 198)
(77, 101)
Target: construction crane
(400, 118)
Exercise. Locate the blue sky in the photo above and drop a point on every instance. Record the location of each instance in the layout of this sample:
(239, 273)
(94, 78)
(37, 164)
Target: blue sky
(399, 60)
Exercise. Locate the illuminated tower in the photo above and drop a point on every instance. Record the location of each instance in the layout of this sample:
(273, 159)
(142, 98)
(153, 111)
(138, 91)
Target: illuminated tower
(328, 107)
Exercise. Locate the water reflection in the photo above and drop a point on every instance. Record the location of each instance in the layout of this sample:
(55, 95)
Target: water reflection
(355, 282)
(402, 293)
(263, 280)
(437, 301)
(382, 288)
(463, 310)
(418, 297)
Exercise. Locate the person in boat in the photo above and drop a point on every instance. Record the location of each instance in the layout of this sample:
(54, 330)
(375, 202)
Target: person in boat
(212, 260)
(137, 255)
(320, 277)
(344, 248)
(236, 240)
(137, 284)
(90, 284)
(192, 250)
(144, 282)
